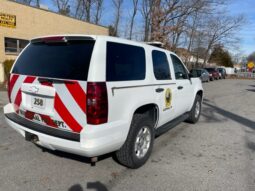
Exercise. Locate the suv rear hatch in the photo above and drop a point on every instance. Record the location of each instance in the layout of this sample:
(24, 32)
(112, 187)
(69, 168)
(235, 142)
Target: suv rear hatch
(49, 80)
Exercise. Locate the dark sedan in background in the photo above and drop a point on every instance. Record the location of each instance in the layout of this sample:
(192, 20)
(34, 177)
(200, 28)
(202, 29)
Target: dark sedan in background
(200, 73)
(214, 74)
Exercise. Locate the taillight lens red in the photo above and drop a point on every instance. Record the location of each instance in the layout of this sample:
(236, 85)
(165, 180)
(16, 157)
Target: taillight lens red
(97, 103)
(9, 88)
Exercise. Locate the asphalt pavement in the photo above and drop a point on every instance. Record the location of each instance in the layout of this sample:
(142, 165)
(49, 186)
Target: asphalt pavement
(218, 153)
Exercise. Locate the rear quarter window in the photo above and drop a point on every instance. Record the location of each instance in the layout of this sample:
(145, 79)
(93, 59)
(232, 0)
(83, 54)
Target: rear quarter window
(160, 65)
(124, 62)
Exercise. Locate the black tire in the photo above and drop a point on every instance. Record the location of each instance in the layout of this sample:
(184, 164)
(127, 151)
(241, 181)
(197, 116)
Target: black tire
(127, 155)
(193, 117)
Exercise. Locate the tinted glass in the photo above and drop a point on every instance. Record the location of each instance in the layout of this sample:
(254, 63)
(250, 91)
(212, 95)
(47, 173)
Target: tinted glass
(194, 72)
(210, 69)
(199, 73)
(179, 69)
(56, 60)
(160, 65)
(124, 62)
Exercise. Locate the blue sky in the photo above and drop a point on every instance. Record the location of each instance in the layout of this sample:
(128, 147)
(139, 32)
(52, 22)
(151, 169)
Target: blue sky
(247, 33)
(236, 7)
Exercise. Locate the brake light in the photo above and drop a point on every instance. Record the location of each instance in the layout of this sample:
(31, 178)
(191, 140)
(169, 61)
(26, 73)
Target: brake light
(97, 103)
(9, 88)
(54, 39)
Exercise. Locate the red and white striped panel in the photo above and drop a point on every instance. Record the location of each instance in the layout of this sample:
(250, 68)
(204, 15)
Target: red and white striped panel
(69, 104)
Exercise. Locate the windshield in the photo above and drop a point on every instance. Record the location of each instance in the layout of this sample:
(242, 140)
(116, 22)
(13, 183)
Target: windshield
(68, 60)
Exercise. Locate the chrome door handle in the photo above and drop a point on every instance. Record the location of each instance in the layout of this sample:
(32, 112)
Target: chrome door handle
(158, 90)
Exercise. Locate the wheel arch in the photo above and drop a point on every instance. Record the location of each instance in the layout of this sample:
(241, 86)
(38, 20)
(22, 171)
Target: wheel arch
(150, 109)
(200, 93)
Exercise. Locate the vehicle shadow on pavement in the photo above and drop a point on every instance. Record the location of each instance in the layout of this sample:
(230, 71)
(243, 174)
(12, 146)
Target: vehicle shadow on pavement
(210, 115)
(251, 90)
(74, 156)
(97, 186)
(237, 118)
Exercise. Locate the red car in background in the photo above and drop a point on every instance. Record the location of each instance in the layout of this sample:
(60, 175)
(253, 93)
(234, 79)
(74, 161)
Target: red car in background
(213, 73)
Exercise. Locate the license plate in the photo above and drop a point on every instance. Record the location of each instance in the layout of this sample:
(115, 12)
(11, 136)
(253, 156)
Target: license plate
(38, 102)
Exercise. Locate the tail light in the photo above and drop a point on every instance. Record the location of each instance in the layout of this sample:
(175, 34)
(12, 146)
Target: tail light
(97, 103)
(9, 88)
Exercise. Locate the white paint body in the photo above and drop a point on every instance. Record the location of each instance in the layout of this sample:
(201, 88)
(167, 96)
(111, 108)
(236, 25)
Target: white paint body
(96, 140)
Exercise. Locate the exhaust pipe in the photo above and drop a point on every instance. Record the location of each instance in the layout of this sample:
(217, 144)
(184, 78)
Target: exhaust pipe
(31, 137)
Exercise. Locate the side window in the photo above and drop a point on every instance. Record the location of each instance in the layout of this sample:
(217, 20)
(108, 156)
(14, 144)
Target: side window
(124, 62)
(160, 65)
(179, 69)
(199, 73)
(194, 73)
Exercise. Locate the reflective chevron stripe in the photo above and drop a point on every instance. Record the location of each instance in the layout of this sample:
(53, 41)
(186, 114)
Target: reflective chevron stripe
(69, 102)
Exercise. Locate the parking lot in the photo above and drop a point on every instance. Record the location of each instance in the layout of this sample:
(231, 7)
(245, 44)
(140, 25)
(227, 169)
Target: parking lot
(218, 153)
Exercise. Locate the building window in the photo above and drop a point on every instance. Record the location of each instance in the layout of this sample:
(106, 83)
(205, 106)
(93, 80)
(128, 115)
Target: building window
(14, 46)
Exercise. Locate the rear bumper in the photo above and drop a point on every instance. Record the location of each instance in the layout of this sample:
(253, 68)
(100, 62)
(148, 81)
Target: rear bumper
(42, 128)
(92, 141)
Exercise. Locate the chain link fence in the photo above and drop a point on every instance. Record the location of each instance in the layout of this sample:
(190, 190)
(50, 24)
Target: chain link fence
(246, 75)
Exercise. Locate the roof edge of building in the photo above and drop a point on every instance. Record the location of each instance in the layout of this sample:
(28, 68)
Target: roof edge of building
(50, 11)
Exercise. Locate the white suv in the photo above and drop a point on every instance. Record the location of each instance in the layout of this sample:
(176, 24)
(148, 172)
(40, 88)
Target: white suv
(91, 95)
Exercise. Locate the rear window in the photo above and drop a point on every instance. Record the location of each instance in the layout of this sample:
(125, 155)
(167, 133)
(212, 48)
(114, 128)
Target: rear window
(56, 60)
(124, 62)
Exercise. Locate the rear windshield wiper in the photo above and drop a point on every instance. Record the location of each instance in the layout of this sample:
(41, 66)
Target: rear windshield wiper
(49, 80)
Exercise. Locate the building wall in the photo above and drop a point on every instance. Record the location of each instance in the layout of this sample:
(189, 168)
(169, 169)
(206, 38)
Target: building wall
(33, 22)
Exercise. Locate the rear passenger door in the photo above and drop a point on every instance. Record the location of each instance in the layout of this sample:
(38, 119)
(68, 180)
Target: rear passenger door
(184, 90)
(163, 86)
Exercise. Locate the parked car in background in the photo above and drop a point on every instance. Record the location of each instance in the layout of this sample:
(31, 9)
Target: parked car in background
(200, 73)
(222, 72)
(213, 73)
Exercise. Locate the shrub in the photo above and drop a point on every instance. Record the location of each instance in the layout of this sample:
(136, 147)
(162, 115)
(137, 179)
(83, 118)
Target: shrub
(7, 67)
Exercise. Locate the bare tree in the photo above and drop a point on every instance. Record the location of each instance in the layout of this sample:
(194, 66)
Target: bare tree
(88, 10)
(88, 5)
(221, 29)
(62, 6)
(78, 13)
(99, 9)
(117, 6)
(146, 7)
(135, 8)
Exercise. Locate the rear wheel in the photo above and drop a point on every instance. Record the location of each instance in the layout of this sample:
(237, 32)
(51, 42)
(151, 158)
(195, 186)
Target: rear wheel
(196, 110)
(138, 146)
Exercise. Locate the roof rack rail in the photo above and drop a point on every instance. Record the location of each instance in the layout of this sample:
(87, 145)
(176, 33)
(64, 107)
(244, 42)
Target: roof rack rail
(155, 43)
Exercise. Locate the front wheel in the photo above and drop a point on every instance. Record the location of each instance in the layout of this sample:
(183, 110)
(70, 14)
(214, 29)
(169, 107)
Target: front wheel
(195, 110)
(138, 146)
